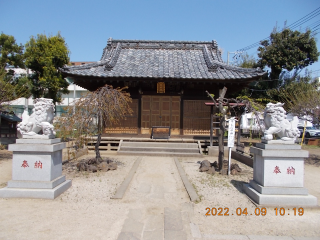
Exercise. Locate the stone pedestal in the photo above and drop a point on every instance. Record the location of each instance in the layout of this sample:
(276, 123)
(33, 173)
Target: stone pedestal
(278, 175)
(36, 169)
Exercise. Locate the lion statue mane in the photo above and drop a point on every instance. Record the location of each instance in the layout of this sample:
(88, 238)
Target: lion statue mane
(40, 121)
(276, 122)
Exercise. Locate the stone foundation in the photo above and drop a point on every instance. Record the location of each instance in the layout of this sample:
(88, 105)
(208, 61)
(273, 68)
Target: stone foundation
(278, 175)
(36, 169)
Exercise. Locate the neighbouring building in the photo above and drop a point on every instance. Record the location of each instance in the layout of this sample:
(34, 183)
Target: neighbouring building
(8, 127)
(167, 81)
(250, 122)
(75, 92)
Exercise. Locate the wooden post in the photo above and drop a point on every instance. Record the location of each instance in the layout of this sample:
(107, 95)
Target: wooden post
(139, 115)
(211, 126)
(181, 115)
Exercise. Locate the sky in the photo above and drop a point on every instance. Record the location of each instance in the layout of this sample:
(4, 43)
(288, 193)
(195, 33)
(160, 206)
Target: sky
(87, 25)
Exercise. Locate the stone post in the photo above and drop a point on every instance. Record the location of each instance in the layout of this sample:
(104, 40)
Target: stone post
(278, 175)
(36, 169)
(37, 157)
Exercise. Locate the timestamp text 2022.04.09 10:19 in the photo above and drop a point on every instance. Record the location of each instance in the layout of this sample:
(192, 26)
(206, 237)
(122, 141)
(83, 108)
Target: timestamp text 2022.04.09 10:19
(257, 212)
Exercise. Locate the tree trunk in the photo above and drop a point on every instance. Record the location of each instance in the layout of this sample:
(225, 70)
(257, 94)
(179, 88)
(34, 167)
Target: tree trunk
(222, 93)
(239, 130)
(221, 141)
(98, 157)
(96, 148)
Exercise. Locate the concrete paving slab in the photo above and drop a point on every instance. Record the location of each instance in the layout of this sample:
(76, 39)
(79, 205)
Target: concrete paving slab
(144, 188)
(132, 225)
(154, 222)
(195, 231)
(172, 220)
(174, 235)
(153, 235)
(259, 237)
(157, 192)
(128, 236)
(306, 238)
(136, 214)
(225, 237)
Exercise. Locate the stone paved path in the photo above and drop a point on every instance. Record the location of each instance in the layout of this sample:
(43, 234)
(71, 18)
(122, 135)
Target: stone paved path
(164, 210)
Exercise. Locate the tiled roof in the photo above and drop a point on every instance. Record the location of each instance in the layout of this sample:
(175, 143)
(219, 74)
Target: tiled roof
(162, 59)
(10, 117)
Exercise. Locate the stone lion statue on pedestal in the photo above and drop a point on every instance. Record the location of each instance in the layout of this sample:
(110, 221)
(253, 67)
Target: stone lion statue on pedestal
(40, 121)
(276, 122)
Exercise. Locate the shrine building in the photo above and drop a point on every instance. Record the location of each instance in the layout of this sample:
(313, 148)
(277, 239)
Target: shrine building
(167, 81)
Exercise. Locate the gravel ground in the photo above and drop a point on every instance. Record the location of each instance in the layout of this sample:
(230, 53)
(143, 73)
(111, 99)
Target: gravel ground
(225, 192)
(86, 210)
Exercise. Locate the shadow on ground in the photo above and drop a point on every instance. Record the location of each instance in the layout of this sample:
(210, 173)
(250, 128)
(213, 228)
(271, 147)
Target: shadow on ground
(313, 160)
(238, 185)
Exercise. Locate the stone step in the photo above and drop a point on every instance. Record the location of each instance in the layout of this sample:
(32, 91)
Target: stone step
(160, 149)
(165, 154)
(159, 144)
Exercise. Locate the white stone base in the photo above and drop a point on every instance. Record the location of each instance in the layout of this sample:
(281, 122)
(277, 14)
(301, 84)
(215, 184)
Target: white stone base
(36, 170)
(37, 136)
(278, 141)
(278, 190)
(37, 184)
(35, 193)
(280, 200)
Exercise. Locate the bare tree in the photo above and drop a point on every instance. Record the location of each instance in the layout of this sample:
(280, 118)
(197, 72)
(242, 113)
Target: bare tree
(302, 99)
(92, 113)
(224, 107)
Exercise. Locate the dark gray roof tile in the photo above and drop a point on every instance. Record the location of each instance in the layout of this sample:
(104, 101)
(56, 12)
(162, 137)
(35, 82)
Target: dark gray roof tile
(162, 59)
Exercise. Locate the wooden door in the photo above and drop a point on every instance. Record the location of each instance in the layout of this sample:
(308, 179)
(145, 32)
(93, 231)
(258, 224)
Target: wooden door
(160, 111)
(155, 111)
(165, 107)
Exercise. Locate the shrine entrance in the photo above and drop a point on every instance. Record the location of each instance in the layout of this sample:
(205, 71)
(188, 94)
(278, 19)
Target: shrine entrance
(160, 111)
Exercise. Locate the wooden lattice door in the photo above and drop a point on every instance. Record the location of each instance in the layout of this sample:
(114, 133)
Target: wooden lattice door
(160, 111)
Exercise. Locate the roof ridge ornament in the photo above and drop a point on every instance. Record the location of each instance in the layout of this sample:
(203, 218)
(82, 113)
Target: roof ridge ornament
(114, 58)
(211, 66)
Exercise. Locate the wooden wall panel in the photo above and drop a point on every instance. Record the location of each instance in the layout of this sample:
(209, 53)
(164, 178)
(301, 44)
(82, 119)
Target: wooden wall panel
(145, 114)
(196, 117)
(175, 115)
(129, 124)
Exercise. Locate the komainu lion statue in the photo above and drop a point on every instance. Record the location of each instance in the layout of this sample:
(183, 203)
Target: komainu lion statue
(40, 120)
(276, 122)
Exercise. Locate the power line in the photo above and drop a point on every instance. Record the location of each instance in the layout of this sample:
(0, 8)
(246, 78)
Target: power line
(312, 71)
(305, 19)
(311, 25)
(316, 26)
(296, 24)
